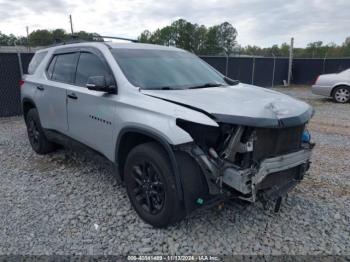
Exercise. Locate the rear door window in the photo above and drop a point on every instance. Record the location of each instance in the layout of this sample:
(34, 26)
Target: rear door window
(64, 68)
(35, 62)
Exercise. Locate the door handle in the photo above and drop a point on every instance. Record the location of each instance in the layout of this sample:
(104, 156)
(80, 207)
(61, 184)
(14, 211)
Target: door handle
(40, 87)
(72, 96)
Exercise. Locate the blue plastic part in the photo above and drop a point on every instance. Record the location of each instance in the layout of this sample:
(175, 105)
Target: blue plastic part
(200, 201)
(306, 136)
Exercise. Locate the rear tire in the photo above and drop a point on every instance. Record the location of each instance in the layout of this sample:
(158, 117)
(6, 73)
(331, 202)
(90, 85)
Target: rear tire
(341, 94)
(36, 135)
(151, 187)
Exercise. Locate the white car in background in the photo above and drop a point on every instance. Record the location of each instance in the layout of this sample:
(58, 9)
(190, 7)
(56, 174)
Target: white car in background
(334, 85)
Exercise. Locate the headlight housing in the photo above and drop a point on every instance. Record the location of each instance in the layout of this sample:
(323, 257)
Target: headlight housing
(203, 135)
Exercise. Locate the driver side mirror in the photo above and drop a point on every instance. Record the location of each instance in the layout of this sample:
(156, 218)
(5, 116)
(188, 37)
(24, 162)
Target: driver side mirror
(99, 83)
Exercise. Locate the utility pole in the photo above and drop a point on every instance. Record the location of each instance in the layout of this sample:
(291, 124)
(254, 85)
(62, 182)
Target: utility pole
(71, 24)
(273, 69)
(27, 30)
(290, 60)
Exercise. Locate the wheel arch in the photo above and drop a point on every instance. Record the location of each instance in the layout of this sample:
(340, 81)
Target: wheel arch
(339, 85)
(129, 137)
(27, 104)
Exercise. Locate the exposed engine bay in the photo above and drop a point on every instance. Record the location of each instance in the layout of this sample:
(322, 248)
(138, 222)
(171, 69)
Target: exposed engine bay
(247, 162)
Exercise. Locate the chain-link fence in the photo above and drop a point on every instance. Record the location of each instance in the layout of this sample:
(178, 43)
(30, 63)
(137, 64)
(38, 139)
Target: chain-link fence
(272, 71)
(12, 65)
(261, 71)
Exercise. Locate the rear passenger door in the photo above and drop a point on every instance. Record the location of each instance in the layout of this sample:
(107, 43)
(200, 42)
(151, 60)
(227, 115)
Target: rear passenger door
(91, 113)
(51, 94)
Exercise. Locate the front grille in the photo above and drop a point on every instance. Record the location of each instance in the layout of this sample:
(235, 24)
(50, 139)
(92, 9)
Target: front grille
(271, 142)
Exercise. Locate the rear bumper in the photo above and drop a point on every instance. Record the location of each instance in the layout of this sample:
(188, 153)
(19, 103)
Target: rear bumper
(277, 174)
(321, 90)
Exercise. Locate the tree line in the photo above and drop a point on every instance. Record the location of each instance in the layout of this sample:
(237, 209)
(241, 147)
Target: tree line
(312, 50)
(217, 39)
(46, 37)
(199, 39)
(221, 40)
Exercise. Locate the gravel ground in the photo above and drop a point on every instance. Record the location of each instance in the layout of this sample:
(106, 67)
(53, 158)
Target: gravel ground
(65, 203)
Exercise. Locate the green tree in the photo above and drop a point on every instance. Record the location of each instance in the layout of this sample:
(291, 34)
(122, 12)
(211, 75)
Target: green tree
(82, 35)
(345, 50)
(252, 50)
(196, 38)
(284, 50)
(226, 35)
(164, 36)
(145, 37)
(59, 35)
(183, 33)
(199, 39)
(40, 38)
(314, 49)
(212, 45)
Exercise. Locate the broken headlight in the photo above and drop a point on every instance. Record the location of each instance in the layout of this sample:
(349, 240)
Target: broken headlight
(203, 135)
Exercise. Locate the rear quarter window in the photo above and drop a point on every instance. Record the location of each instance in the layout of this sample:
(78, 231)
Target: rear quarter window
(51, 67)
(35, 62)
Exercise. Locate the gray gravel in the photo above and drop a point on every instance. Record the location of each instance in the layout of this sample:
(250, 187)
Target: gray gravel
(66, 203)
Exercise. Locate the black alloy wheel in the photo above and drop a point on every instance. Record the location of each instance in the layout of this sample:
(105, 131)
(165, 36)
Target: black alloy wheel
(36, 135)
(148, 187)
(150, 184)
(33, 133)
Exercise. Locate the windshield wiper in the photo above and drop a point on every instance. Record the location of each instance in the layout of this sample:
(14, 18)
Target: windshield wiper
(160, 88)
(206, 85)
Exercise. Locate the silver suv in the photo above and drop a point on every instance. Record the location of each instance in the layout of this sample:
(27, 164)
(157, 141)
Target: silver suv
(181, 135)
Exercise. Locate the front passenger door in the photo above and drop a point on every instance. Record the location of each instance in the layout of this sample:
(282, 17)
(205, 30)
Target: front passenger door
(91, 113)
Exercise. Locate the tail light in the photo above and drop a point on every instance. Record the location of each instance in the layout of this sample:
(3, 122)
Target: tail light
(316, 80)
(21, 82)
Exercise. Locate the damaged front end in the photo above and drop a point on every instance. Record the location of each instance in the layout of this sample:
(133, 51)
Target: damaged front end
(249, 163)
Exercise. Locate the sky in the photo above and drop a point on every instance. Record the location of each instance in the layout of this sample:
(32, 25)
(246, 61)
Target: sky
(262, 23)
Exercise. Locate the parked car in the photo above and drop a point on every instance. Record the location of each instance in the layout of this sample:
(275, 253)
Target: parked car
(336, 86)
(181, 135)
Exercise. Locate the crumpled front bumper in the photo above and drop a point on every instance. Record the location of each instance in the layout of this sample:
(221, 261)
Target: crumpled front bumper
(247, 181)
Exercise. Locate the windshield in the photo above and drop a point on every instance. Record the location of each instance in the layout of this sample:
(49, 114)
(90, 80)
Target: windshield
(166, 69)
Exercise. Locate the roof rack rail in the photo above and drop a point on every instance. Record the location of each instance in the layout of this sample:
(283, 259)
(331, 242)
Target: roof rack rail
(119, 38)
(74, 40)
(69, 42)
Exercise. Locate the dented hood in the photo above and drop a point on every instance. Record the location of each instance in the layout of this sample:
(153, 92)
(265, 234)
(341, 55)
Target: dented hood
(241, 104)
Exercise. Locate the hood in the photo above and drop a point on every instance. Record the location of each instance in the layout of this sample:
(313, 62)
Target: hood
(241, 104)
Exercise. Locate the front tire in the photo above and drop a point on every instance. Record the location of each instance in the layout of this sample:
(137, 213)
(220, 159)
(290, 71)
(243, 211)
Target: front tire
(151, 185)
(36, 135)
(341, 94)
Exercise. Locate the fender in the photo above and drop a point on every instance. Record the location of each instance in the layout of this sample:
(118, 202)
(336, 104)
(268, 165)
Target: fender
(161, 140)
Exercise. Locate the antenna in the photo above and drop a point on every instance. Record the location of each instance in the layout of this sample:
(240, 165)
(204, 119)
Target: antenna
(290, 64)
(120, 38)
(27, 30)
(71, 24)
